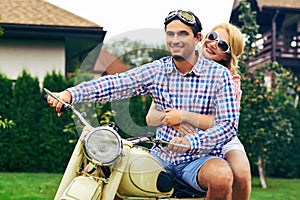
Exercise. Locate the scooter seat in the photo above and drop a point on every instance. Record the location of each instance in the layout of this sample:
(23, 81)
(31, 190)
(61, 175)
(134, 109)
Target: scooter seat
(183, 190)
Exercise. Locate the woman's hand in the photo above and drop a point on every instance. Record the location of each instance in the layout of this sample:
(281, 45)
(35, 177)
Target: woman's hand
(172, 117)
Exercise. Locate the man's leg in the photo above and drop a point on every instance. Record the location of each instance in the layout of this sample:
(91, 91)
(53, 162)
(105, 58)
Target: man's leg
(216, 175)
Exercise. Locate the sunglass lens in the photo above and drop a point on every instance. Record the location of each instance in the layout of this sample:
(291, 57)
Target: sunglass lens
(223, 45)
(212, 36)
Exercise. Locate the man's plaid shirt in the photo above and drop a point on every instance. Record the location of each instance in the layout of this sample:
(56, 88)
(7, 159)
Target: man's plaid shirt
(207, 89)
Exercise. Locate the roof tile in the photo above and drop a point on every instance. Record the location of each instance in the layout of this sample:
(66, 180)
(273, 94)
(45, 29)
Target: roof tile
(279, 3)
(39, 12)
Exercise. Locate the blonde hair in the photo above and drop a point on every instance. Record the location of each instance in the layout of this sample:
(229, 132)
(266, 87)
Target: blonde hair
(235, 42)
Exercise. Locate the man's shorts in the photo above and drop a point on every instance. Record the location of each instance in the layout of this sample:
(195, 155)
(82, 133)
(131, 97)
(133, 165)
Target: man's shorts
(234, 144)
(187, 171)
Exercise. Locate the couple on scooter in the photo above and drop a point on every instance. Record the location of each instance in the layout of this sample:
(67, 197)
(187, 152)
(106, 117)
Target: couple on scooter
(190, 85)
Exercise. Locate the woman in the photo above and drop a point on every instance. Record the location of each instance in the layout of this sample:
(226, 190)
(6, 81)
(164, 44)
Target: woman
(223, 45)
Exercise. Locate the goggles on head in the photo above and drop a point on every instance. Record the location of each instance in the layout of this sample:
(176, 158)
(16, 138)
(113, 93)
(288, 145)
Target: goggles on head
(184, 16)
(222, 45)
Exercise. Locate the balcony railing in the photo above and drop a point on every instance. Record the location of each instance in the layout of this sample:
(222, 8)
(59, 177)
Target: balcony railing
(285, 49)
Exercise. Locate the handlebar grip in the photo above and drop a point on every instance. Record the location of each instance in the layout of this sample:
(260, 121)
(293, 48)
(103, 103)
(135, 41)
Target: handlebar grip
(45, 97)
(63, 108)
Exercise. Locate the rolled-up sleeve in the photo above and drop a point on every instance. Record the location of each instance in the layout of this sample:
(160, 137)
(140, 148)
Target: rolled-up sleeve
(113, 87)
(226, 121)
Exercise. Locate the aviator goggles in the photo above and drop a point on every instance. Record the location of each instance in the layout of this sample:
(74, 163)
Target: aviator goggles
(223, 45)
(184, 16)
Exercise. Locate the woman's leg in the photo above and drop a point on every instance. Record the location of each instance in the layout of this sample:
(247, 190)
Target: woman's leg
(240, 166)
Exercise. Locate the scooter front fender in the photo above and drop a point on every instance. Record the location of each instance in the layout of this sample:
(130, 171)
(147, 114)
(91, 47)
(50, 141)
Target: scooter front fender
(110, 189)
(71, 170)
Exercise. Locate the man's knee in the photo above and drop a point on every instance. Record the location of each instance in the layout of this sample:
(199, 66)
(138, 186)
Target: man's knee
(216, 173)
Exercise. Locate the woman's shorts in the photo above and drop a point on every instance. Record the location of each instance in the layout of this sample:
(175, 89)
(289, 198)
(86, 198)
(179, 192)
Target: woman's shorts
(234, 144)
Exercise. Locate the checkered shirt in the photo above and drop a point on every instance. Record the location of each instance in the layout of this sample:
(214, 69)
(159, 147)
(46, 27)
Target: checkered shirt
(207, 89)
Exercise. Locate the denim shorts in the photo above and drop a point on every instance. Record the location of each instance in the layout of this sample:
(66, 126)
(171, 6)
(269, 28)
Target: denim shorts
(187, 171)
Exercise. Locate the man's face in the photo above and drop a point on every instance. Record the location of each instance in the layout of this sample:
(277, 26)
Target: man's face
(180, 40)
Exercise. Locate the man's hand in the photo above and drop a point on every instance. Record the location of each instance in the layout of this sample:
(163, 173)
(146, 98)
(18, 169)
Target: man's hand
(179, 140)
(184, 128)
(64, 96)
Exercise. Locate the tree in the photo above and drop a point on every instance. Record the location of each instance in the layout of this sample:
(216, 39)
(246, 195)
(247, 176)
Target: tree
(54, 142)
(23, 139)
(262, 124)
(4, 122)
(5, 96)
(135, 53)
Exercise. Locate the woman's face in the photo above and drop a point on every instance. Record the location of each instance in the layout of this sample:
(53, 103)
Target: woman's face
(210, 49)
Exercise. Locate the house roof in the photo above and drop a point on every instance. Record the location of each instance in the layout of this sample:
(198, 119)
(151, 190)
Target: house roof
(279, 3)
(39, 12)
(286, 4)
(107, 63)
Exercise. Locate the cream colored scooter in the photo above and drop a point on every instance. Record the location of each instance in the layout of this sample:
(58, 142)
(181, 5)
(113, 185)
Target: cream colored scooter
(104, 166)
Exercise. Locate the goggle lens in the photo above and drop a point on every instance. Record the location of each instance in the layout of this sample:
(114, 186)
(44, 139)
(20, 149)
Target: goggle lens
(223, 45)
(187, 16)
(170, 16)
(182, 15)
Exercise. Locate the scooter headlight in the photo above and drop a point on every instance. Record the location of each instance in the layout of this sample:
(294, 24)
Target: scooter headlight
(103, 145)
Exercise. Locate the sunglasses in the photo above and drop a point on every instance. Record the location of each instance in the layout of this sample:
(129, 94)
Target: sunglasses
(183, 16)
(223, 45)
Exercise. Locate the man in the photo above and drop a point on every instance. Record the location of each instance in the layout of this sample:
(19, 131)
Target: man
(182, 81)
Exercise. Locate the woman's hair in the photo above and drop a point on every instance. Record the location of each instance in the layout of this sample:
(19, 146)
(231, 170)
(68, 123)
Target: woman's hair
(236, 45)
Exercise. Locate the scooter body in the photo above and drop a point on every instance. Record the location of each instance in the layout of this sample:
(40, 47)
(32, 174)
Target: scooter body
(103, 166)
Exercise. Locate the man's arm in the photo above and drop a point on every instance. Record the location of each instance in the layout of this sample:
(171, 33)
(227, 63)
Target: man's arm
(226, 121)
(110, 87)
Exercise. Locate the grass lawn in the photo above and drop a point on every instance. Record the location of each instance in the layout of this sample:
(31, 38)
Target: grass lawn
(27, 186)
(278, 189)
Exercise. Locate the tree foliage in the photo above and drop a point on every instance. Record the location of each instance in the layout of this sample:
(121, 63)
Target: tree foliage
(265, 128)
(5, 96)
(135, 53)
(36, 143)
(4, 122)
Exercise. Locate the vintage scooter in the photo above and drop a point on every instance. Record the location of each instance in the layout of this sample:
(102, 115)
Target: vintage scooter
(104, 166)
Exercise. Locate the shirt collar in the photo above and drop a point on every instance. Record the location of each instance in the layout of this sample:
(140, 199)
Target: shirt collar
(195, 70)
(197, 67)
(170, 67)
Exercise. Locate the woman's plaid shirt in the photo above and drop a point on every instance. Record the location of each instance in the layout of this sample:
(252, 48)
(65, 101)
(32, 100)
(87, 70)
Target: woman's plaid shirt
(207, 89)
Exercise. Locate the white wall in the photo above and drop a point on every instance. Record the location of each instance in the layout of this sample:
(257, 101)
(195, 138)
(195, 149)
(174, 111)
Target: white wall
(36, 56)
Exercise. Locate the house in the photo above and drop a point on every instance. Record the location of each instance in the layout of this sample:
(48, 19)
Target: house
(107, 63)
(279, 26)
(41, 37)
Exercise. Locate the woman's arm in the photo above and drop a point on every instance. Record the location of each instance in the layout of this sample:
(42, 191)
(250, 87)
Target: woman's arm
(173, 117)
(154, 116)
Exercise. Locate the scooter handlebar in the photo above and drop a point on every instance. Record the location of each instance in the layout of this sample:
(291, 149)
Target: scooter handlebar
(63, 108)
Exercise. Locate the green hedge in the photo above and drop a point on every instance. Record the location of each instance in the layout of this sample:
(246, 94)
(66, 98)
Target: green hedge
(42, 142)
(37, 142)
